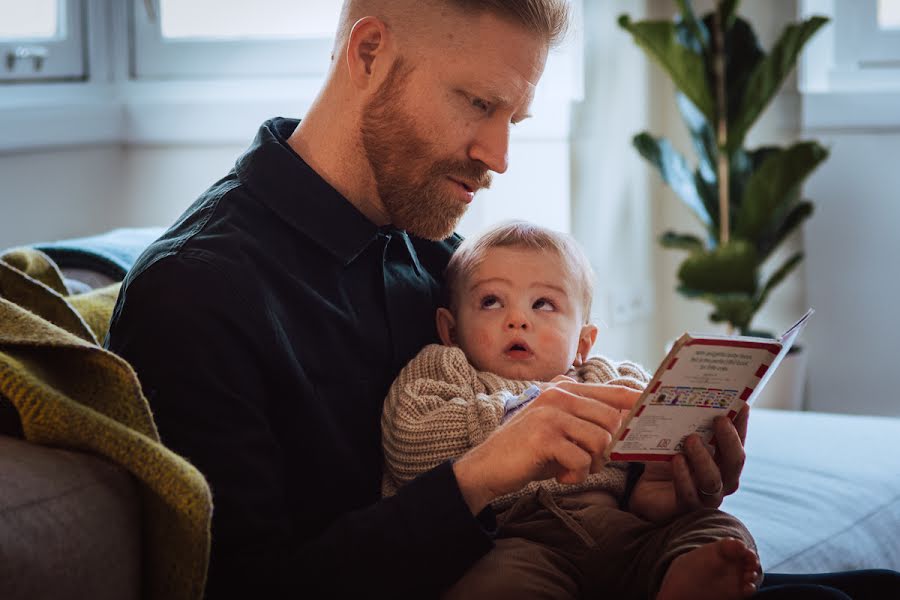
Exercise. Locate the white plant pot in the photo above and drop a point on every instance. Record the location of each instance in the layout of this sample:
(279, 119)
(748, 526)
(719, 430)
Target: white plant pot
(787, 385)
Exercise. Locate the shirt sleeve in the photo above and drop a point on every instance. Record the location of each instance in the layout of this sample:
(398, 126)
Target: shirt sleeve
(202, 371)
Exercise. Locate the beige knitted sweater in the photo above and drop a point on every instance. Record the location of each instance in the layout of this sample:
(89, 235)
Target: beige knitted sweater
(440, 406)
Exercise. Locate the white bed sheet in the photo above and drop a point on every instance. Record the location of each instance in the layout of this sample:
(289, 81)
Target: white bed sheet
(821, 492)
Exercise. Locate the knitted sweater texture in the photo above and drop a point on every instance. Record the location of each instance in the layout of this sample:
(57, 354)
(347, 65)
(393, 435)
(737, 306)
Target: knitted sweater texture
(440, 406)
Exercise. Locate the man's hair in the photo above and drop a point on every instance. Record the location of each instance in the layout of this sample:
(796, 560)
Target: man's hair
(522, 235)
(548, 19)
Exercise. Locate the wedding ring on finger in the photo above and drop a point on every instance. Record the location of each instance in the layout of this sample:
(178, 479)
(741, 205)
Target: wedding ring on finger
(711, 494)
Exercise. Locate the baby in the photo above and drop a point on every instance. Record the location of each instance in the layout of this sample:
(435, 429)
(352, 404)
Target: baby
(517, 323)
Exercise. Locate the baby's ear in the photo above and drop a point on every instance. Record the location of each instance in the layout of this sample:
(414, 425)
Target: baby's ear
(446, 326)
(586, 340)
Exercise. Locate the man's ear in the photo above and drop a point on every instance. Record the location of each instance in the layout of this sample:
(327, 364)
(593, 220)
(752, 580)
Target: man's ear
(446, 326)
(586, 340)
(366, 48)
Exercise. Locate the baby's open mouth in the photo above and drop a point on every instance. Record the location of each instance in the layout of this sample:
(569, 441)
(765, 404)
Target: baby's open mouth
(518, 350)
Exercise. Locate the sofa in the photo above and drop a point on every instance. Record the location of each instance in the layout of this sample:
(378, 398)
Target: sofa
(820, 492)
(92, 505)
(70, 525)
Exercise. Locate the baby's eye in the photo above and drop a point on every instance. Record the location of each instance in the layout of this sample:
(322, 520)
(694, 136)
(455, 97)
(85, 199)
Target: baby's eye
(490, 302)
(543, 304)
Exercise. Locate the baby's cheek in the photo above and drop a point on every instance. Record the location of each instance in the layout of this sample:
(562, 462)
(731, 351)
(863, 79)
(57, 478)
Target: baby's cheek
(553, 341)
(482, 338)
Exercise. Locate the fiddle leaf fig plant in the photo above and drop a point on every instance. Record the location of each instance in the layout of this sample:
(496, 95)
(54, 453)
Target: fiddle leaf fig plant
(747, 200)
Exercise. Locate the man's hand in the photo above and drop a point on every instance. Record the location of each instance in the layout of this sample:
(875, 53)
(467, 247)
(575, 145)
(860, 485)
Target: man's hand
(700, 477)
(562, 433)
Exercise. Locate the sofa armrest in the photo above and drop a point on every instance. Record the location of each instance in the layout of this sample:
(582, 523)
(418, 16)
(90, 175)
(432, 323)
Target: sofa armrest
(69, 525)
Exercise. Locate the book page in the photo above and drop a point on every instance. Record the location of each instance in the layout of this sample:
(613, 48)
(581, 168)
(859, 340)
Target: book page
(700, 379)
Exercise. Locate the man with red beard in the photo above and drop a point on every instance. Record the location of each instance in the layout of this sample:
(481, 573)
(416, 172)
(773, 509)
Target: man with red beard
(267, 324)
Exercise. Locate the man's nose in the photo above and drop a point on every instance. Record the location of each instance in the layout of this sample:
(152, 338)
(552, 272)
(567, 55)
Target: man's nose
(491, 145)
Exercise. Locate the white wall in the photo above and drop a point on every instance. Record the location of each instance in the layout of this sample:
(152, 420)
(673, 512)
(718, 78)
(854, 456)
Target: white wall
(161, 182)
(62, 193)
(71, 192)
(853, 276)
(611, 205)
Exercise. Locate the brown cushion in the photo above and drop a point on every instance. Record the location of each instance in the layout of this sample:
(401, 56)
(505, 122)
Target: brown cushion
(69, 525)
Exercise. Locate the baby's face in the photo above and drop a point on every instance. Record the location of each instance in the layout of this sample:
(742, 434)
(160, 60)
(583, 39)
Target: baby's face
(520, 315)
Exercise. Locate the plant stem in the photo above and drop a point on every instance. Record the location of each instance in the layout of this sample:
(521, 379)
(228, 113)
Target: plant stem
(722, 125)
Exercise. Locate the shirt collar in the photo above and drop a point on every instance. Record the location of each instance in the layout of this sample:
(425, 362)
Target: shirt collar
(279, 178)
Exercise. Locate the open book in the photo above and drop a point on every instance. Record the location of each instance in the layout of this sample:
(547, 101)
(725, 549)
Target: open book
(702, 377)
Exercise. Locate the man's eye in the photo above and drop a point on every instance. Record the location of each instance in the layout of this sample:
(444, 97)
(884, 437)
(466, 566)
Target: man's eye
(490, 302)
(480, 104)
(543, 304)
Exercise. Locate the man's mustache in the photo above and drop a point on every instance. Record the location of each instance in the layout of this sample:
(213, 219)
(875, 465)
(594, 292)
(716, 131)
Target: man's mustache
(474, 175)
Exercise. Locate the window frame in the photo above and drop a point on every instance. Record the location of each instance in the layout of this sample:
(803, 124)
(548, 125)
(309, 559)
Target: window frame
(155, 58)
(66, 57)
(847, 84)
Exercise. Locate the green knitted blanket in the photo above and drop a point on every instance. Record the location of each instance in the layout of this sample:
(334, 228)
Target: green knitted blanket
(71, 393)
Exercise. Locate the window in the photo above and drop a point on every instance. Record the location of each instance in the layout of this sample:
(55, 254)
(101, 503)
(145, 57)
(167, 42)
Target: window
(889, 14)
(209, 39)
(850, 71)
(42, 40)
(858, 50)
(867, 34)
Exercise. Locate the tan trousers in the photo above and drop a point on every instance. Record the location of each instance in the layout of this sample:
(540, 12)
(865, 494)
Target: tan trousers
(567, 547)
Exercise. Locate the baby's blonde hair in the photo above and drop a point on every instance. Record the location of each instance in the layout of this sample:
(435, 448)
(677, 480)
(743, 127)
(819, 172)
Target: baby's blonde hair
(528, 236)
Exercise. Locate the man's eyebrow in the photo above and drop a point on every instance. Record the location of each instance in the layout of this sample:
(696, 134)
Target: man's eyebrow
(497, 98)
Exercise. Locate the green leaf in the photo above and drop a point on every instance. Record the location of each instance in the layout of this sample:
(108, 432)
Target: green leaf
(742, 55)
(742, 166)
(771, 186)
(769, 74)
(777, 277)
(795, 217)
(701, 135)
(710, 197)
(727, 269)
(681, 241)
(734, 308)
(729, 8)
(686, 68)
(705, 147)
(699, 34)
(674, 170)
(745, 163)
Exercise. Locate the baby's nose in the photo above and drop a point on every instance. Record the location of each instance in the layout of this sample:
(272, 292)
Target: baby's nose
(516, 322)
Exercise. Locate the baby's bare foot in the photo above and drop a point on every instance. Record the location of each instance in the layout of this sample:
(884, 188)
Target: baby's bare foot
(722, 570)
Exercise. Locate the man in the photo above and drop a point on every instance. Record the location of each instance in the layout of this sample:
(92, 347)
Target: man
(267, 324)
